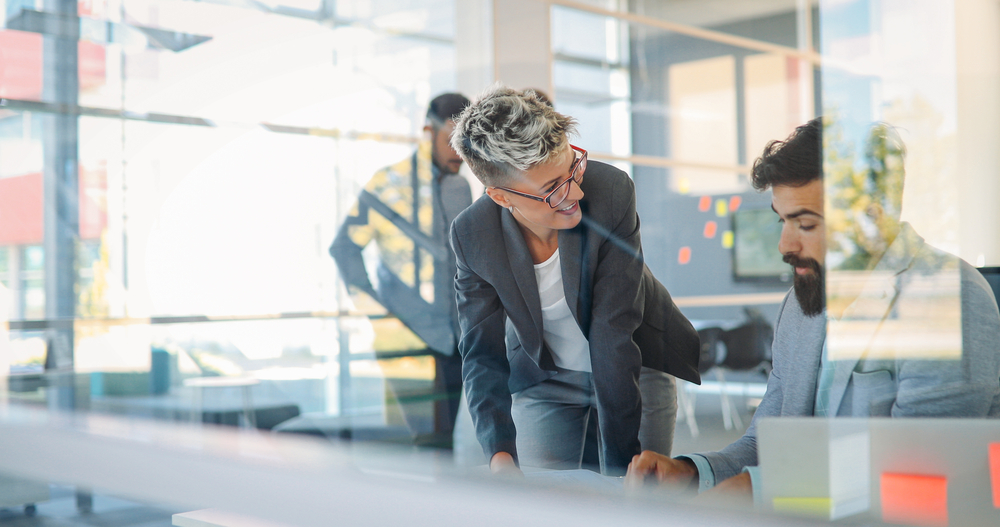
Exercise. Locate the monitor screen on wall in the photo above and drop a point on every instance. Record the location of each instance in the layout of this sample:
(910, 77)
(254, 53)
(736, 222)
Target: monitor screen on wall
(755, 247)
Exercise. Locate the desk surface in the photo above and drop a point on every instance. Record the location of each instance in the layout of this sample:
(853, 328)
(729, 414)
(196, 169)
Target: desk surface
(218, 518)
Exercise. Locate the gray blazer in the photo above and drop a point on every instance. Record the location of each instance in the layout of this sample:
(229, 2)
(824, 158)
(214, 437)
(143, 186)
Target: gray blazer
(627, 316)
(969, 387)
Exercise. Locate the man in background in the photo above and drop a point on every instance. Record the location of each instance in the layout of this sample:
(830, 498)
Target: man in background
(407, 209)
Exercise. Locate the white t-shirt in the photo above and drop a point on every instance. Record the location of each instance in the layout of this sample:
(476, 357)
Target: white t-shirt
(570, 349)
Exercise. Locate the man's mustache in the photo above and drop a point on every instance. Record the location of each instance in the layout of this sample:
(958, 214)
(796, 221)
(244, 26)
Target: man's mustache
(795, 261)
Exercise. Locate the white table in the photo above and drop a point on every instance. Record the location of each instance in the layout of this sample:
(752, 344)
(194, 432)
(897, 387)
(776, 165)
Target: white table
(199, 384)
(218, 518)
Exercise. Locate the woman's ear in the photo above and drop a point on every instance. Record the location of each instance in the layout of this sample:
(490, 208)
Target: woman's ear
(498, 196)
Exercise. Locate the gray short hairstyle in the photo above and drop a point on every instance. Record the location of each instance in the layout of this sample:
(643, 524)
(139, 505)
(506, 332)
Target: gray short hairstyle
(506, 131)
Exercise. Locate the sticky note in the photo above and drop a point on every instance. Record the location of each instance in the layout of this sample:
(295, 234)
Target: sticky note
(684, 256)
(721, 208)
(818, 507)
(727, 240)
(734, 203)
(704, 203)
(683, 185)
(710, 228)
(995, 472)
(913, 499)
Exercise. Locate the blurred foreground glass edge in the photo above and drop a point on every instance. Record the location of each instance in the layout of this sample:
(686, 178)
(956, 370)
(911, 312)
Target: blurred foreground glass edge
(303, 481)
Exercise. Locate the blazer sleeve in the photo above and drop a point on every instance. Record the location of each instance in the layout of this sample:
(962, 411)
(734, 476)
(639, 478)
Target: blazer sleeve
(350, 262)
(485, 369)
(965, 387)
(616, 313)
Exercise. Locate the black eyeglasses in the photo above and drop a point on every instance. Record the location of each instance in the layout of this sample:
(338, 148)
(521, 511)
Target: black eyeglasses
(558, 195)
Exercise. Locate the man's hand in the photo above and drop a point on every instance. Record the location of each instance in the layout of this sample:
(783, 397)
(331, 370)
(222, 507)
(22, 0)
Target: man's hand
(737, 490)
(502, 464)
(666, 471)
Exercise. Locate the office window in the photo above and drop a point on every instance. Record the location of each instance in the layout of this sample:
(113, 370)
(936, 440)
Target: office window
(703, 101)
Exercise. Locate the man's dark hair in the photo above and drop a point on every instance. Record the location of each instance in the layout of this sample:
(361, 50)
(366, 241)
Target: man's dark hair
(446, 107)
(794, 162)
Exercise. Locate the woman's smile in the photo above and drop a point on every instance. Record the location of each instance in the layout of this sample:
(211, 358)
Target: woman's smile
(570, 209)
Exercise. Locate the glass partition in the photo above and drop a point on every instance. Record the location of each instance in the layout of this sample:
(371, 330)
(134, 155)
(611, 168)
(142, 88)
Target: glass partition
(224, 234)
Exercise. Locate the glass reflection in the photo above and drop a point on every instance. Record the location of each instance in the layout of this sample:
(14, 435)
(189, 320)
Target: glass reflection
(891, 295)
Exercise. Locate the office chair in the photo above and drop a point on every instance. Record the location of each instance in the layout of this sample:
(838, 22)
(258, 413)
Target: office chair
(745, 347)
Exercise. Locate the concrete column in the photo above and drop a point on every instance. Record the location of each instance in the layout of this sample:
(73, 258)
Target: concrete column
(522, 45)
(61, 200)
(474, 46)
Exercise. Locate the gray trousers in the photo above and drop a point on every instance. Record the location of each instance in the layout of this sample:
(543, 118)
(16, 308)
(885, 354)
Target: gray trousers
(551, 417)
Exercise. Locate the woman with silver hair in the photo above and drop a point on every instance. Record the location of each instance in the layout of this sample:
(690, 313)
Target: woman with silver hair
(559, 314)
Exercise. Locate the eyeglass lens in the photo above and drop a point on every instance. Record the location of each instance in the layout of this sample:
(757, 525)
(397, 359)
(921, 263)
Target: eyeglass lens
(562, 192)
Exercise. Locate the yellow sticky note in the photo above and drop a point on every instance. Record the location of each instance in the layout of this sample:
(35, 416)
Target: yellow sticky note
(727, 240)
(721, 208)
(818, 507)
(683, 185)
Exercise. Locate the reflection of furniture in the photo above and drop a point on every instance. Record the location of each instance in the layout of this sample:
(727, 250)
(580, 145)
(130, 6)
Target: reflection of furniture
(222, 407)
(356, 427)
(16, 492)
(246, 384)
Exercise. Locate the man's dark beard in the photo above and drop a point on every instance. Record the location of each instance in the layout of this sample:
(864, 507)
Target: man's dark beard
(810, 289)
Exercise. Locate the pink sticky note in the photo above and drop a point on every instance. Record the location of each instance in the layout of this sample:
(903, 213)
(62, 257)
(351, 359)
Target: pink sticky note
(913, 499)
(710, 228)
(684, 256)
(995, 472)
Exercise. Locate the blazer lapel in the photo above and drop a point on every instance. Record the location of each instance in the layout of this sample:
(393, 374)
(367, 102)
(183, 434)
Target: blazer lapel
(878, 295)
(877, 299)
(570, 256)
(520, 263)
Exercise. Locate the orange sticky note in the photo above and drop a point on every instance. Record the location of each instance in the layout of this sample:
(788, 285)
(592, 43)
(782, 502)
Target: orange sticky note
(734, 203)
(913, 499)
(710, 228)
(995, 472)
(704, 203)
(684, 256)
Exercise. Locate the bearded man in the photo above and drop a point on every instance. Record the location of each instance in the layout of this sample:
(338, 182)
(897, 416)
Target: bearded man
(884, 375)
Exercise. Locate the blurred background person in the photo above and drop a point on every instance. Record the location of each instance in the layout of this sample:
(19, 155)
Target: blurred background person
(407, 209)
(561, 319)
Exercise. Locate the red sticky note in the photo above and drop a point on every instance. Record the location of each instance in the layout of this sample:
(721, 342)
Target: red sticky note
(710, 228)
(913, 499)
(734, 203)
(995, 472)
(684, 256)
(704, 203)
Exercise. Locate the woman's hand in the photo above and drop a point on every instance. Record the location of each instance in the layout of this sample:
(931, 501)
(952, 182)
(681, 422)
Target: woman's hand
(502, 464)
